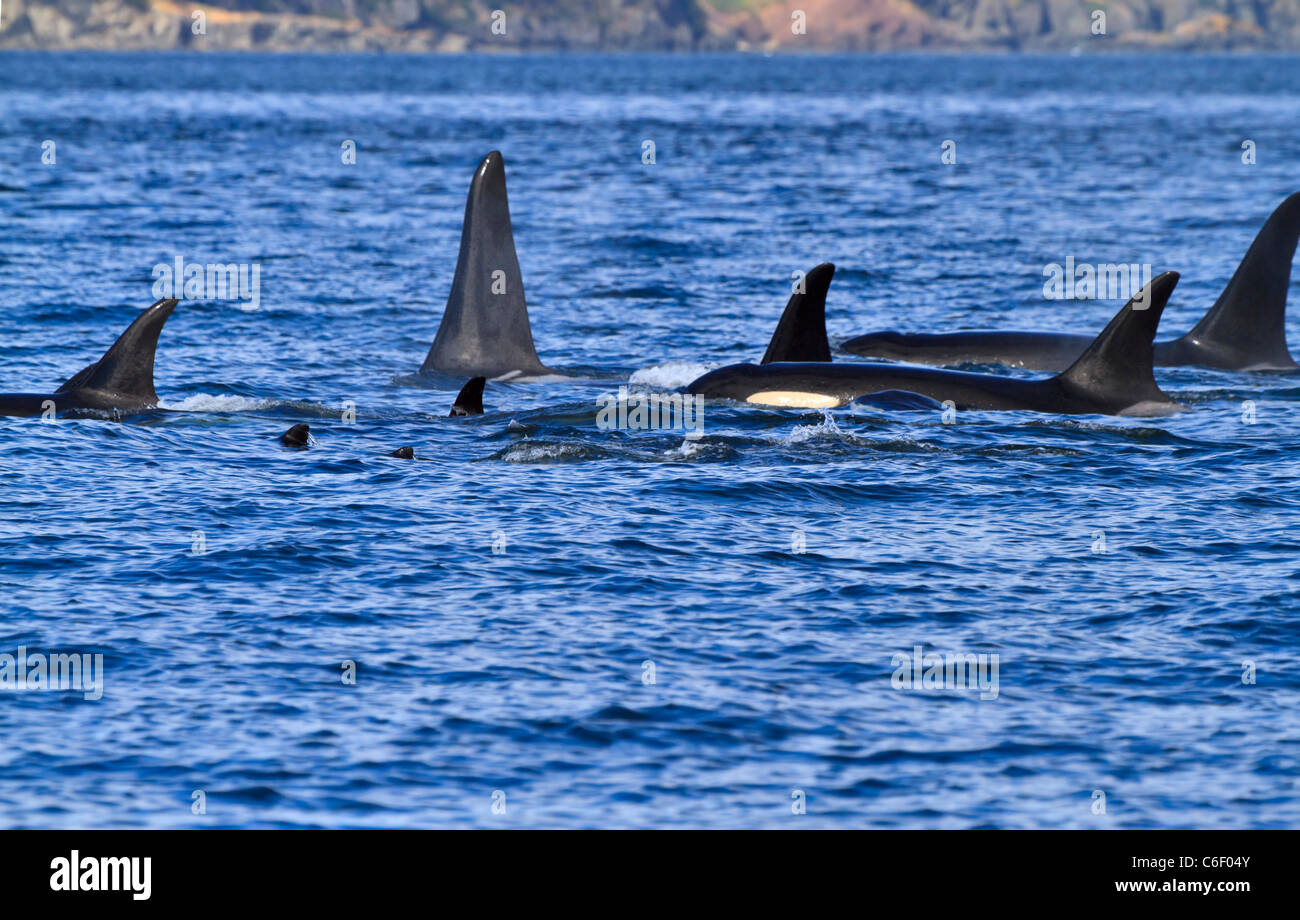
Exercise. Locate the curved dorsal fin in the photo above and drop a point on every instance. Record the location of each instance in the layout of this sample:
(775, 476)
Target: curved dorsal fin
(801, 333)
(1118, 365)
(1247, 324)
(126, 369)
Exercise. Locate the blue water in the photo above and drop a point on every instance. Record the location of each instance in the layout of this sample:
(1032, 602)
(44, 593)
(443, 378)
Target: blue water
(521, 672)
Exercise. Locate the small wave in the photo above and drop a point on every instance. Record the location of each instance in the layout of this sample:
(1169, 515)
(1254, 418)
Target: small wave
(826, 429)
(548, 452)
(205, 402)
(671, 375)
(689, 448)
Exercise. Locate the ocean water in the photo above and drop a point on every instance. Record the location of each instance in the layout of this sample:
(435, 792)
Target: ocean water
(555, 625)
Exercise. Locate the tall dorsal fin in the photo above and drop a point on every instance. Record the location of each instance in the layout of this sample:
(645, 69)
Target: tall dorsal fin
(484, 329)
(127, 367)
(1246, 326)
(801, 333)
(1118, 364)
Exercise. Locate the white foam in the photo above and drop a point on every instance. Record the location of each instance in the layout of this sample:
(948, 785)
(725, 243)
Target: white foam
(671, 375)
(204, 402)
(689, 448)
(531, 452)
(827, 429)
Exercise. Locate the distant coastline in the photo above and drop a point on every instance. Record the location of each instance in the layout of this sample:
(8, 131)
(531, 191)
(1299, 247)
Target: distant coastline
(453, 26)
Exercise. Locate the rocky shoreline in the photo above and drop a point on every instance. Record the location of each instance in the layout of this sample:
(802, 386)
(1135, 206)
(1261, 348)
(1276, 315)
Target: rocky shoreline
(443, 26)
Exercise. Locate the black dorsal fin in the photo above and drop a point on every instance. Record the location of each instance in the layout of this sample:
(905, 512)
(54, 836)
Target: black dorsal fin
(801, 333)
(485, 329)
(469, 401)
(1246, 327)
(1118, 365)
(127, 367)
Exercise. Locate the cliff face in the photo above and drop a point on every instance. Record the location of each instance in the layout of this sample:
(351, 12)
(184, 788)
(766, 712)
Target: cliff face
(679, 25)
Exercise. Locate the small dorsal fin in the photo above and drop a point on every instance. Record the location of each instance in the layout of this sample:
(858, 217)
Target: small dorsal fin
(469, 401)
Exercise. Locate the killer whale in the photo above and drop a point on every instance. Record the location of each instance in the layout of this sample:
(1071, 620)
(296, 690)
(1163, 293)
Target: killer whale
(484, 330)
(1113, 376)
(119, 383)
(1245, 329)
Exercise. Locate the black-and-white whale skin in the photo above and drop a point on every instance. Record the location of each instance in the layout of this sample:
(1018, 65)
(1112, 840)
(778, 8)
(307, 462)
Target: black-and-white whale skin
(120, 383)
(1113, 376)
(1244, 330)
(485, 330)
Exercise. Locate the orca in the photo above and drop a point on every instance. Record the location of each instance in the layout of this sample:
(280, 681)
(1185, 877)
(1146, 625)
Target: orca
(1113, 376)
(484, 330)
(1245, 330)
(120, 383)
(296, 437)
(469, 401)
(404, 453)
